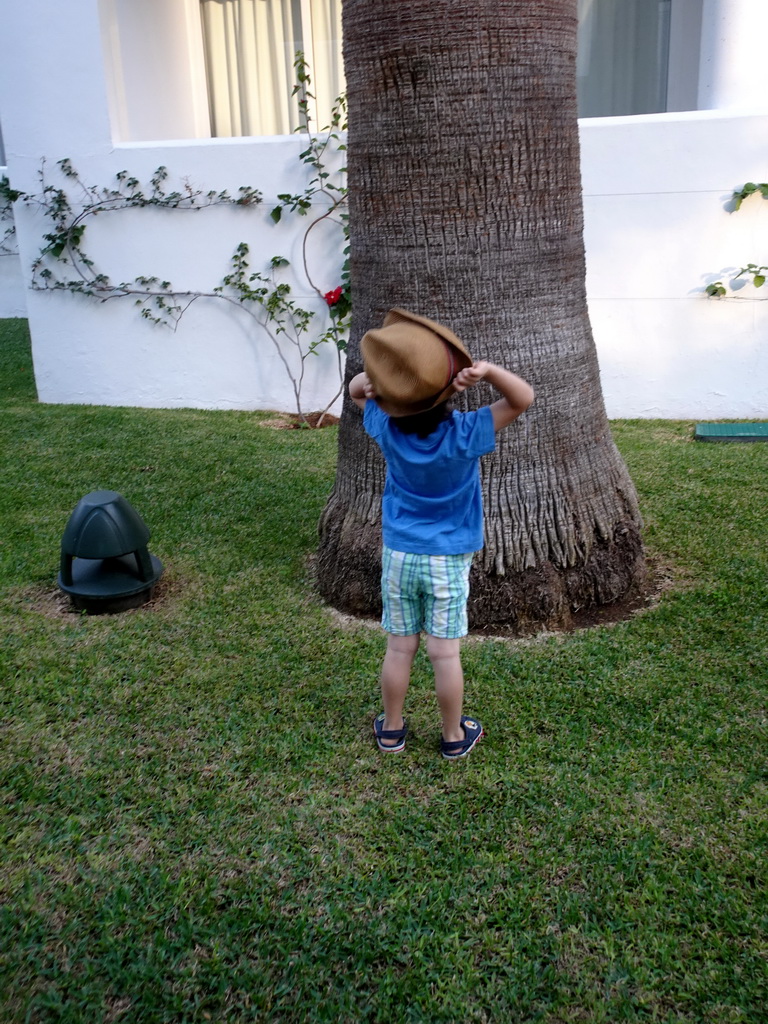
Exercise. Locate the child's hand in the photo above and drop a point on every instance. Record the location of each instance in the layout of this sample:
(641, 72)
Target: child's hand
(470, 376)
(361, 389)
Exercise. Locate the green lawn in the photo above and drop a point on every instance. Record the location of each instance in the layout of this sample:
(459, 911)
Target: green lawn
(195, 824)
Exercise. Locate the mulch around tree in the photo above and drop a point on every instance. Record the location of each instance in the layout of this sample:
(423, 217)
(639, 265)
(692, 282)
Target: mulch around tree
(292, 421)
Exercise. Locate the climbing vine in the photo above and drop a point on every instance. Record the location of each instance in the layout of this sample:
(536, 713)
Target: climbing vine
(8, 197)
(323, 186)
(63, 264)
(756, 271)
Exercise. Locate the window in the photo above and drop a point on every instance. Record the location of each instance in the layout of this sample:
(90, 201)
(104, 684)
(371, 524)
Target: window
(635, 57)
(638, 56)
(623, 56)
(250, 47)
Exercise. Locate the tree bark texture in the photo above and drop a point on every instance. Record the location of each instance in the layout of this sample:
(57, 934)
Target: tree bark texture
(465, 206)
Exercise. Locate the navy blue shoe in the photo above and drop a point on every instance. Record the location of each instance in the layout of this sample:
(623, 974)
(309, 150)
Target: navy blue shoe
(460, 748)
(389, 734)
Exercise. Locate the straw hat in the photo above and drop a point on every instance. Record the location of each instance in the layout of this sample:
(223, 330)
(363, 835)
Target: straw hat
(411, 362)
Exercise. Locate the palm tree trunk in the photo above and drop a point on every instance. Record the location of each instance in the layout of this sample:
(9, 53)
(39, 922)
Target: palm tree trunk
(465, 206)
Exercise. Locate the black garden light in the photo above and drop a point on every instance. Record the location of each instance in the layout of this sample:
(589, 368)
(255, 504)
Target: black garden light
(105, 563)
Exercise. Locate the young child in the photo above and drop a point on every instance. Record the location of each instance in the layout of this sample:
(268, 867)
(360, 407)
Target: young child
(432, 515)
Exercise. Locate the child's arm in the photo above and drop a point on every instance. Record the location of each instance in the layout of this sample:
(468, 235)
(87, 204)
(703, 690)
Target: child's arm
(518, 394)
(360, 390)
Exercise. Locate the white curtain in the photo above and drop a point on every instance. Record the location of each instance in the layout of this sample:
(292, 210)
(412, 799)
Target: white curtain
(623, 57)
(324, 55)
(250, 47)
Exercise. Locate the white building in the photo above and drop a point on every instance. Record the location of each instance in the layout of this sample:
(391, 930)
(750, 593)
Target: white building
(674, 95)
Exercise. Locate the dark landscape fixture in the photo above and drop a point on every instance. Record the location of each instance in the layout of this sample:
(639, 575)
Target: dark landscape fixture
(106, 566)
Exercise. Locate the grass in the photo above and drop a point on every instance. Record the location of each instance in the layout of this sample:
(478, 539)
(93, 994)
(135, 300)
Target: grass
(195, 824)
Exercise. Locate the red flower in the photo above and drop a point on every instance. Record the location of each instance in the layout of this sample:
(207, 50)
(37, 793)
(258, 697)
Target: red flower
(333, 297)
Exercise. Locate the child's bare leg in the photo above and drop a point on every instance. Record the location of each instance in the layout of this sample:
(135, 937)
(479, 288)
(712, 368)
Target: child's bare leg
(445, 656)
(395, 677)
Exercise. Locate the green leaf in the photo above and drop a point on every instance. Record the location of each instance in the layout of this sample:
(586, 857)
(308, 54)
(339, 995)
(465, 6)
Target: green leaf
(276, 214)
(759, 280)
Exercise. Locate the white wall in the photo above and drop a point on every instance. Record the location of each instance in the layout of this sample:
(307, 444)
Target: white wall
(88, 352)
(104, 353)
(733, 70)
(657, 232)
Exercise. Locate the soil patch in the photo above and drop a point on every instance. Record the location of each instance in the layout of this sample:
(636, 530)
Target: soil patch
(55, 604)
(292, 421)
(660, 578)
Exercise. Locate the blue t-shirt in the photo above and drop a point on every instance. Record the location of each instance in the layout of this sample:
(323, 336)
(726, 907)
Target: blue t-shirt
(432, 503)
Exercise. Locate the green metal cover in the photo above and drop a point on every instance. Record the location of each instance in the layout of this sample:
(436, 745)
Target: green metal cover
(731, 432)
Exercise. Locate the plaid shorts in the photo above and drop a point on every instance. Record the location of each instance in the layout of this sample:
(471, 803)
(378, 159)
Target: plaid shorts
(425, 592)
